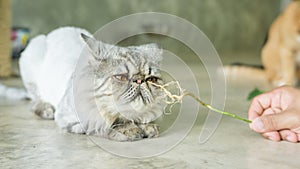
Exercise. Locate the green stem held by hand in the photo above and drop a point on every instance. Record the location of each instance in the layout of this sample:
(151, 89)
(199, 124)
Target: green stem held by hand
(216, 110)
(173, 99)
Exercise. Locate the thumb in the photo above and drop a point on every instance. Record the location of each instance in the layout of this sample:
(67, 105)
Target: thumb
(272, 122)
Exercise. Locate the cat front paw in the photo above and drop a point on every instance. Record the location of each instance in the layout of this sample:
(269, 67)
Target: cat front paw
(282, 82)
(131, 132)
(150, 130)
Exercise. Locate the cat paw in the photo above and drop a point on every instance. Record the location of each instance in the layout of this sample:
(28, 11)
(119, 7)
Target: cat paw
(75, 128)
(150, 130)
(44, 110)
(130, 131)
(282, 83)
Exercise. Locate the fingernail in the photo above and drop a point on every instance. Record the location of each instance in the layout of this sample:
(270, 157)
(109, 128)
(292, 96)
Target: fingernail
(257, 125)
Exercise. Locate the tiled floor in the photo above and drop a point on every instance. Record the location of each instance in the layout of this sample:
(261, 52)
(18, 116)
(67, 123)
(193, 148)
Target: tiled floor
(29, 142)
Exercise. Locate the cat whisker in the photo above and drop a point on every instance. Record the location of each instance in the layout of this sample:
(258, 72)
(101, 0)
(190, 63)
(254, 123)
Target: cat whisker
(146, 95)
(126, 92)
(146, 100)
(130, 94)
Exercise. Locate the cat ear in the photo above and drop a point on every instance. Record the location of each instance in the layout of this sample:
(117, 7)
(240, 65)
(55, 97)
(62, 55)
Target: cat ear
(96, 48)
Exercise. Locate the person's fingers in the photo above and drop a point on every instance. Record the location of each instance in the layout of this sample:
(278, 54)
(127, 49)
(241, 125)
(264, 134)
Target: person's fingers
(273, 135)
(298, 135)
(272, 111)
(288, 135)
(273, 122)
(276, 98)
(258, 105)
(266, 112)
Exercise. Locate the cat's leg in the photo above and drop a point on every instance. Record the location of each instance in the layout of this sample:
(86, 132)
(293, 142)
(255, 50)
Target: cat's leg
(125, 130)
(44, 110)
(287, 57)
(117, 136)
(128, 131)
(271, 62)
(75, 127)
(133, 132)
(279, 63)
(150, 130)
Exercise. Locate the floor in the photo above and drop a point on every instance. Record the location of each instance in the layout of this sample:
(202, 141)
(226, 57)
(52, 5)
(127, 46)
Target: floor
(29, 142)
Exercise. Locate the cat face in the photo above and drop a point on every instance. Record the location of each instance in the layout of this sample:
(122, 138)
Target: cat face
(124, 78)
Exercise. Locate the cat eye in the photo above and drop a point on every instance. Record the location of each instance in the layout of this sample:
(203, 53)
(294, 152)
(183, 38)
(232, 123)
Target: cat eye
(121, 77)
(152, 79)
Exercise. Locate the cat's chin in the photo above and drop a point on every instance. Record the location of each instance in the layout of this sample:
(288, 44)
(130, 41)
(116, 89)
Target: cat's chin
(137, 106)
(138, 111)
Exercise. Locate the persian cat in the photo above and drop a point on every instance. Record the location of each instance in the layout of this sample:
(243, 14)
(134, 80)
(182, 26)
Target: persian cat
(123, 84)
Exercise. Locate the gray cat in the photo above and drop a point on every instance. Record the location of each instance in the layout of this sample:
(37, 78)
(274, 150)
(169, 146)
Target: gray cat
(127, 101)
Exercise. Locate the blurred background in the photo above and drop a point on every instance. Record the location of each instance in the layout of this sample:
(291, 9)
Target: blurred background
(237, 29)
(232, 26)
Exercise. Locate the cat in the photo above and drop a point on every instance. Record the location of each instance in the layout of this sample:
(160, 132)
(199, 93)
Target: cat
(281, 52)
(127, 100)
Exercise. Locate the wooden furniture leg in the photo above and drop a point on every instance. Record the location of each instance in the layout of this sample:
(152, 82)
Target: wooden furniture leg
(5, 43)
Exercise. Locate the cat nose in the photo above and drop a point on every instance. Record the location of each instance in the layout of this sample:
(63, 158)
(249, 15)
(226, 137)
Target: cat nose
(139, 81)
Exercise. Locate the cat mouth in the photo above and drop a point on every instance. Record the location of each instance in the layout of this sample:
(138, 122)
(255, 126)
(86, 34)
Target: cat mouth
(144, 98)
(139, 94)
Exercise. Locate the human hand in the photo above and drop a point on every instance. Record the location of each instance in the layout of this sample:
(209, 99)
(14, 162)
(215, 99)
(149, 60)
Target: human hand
(276, 114)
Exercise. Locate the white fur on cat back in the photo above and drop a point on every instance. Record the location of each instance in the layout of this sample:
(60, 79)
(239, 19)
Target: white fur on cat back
(46, 67)
(48, 63)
